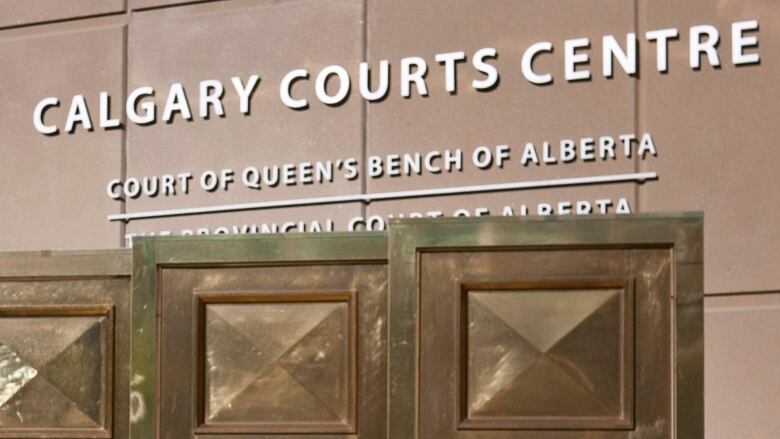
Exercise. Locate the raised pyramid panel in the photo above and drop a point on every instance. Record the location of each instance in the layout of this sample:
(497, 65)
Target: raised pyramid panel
(55, 370)
(76, 370)
(279, 363)
(544, 316)
(274, 397)
(598, 370)
(540, 356)
(232, 362)
(39, 339)
(497, 354)
(320, 360)
(545, 390)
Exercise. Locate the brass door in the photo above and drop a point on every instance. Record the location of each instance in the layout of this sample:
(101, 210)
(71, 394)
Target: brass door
(64, 344)
(265, 336)
(569, 329)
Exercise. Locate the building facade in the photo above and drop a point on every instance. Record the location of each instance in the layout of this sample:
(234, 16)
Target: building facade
(125, 118)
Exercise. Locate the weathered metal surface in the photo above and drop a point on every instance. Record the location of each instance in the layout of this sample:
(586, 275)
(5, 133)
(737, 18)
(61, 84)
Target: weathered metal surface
(533, 355)
(277, 362)
(509, 369)
(66, 356)
(268, 335)
(64, 344)
(499, 328)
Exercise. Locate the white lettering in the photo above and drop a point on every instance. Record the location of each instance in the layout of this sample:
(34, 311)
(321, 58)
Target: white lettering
(739, 42)
(528, 60)
(697, 46)
(417, 77)
(40, 110)
(478, 61)
(662, 37)
(320, 86)
(78, 113)
(176, 102)
(148, 107)
(285, 89)
(245, 91)
(211, 92)
(612, 50)
(365, 81)
(450, 72)
(572, 59)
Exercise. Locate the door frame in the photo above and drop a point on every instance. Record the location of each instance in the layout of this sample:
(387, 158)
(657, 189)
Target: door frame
(152, 254)
(681, 233)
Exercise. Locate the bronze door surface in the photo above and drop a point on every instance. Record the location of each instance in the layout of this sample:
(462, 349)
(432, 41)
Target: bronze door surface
(566, 329)
(267, 336)
(64, 344)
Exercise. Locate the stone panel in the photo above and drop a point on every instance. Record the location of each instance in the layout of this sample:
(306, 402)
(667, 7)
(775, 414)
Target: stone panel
(23, 12)
(741, 354)
(53, 194)
(514, 113)
(720, 152)
(239, 38)
(146, 4)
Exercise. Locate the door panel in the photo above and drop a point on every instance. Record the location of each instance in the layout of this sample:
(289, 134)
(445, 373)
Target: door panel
(546, 329)
(64, 344)
(276, 362)
(276, 347)
(543, 340)
(273, 343)
(565, 328)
